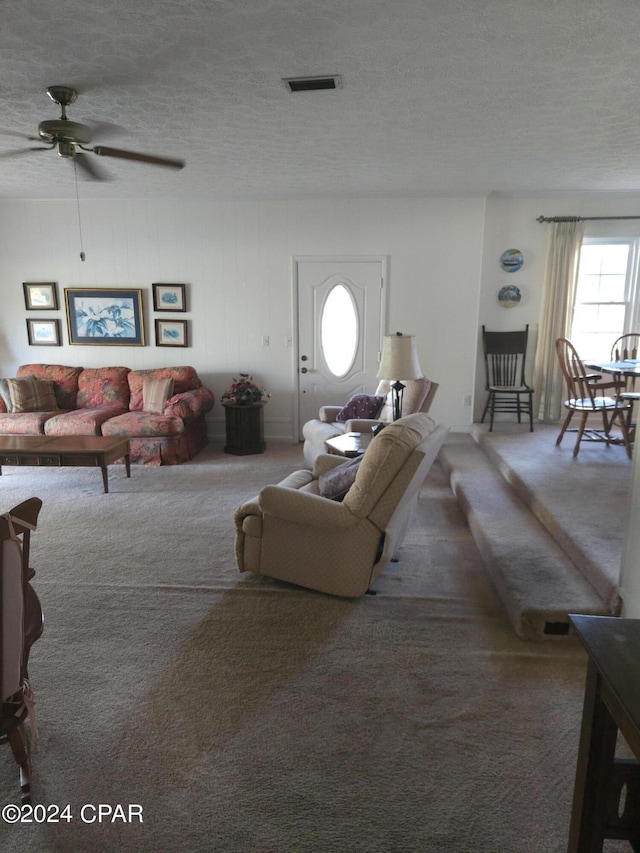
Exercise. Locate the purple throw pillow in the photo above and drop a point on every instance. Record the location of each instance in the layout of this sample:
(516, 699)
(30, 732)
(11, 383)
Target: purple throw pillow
(361, 406)
(336, 482)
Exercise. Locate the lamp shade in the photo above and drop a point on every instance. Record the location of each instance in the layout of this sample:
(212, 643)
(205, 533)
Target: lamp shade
(399, 358)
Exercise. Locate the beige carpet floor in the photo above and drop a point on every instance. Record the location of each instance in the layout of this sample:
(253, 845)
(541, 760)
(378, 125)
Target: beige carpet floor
(247, 715)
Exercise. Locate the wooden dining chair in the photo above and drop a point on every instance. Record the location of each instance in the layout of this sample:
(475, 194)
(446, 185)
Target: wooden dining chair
(626, 346)
(21, 623)
(587, 397)
(505, 356)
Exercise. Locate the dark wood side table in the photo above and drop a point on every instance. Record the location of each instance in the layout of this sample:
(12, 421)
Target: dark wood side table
(244, 429)
(606, 800)
(350, 444)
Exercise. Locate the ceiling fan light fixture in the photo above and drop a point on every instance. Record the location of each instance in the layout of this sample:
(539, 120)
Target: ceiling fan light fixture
(66, 149)
(313, 84)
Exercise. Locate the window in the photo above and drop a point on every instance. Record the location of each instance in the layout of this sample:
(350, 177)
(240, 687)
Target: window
(605, 305)
(339, 330)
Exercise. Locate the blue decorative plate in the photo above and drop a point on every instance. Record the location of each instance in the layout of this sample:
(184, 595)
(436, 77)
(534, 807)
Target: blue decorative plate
(509, 296)
(511, 260)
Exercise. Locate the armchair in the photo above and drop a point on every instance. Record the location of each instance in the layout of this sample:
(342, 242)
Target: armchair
(418, 396)
(292, 533)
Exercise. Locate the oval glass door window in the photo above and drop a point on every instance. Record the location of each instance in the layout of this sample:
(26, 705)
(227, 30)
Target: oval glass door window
(339, 330)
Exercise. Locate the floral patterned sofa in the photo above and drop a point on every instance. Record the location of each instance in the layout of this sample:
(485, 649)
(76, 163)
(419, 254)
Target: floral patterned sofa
(162, 411)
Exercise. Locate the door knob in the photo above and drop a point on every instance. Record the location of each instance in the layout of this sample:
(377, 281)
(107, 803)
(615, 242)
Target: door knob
(303, 358)
(303, 370)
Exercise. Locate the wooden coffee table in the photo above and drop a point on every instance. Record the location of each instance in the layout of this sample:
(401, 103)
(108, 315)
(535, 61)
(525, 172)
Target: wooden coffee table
(63, 451)
(350, 444)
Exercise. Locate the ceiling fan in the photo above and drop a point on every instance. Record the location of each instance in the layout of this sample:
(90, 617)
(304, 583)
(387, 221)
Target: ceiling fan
(72, 139)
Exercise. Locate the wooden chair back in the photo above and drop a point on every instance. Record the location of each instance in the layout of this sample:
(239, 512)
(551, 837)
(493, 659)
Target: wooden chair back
(505, 355)
(581, 386)
(626, 346)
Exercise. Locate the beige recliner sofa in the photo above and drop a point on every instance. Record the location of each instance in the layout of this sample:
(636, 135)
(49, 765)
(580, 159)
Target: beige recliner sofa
(417, 397)
(292, 533)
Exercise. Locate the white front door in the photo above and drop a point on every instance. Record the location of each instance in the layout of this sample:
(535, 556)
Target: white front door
(341, 305)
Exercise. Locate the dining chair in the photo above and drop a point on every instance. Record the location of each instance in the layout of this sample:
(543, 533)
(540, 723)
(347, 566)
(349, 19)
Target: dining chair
(586, 396)
(505, 356)
(21, 623)
(626, 346)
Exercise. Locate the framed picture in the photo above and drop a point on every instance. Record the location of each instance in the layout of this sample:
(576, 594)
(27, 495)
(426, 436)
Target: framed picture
(99, 316)
(171, 333)
(169, 297)
(40, 296)
(44, 333)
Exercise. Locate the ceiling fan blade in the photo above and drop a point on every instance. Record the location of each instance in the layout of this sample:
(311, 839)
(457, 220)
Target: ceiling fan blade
(19, 135)
(101, 129)
(89, 168)
(17, 151)
(141, 158)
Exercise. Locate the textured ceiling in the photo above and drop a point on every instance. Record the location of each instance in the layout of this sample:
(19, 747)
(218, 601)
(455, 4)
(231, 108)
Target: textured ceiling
(452, 97)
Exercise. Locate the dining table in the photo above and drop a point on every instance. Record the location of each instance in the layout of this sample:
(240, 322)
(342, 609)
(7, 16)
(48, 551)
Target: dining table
(629, 368)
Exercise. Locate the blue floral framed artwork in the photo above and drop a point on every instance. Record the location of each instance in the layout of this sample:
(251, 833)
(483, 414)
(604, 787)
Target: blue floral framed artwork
(171, 333)
(169, 297)
(97, 315)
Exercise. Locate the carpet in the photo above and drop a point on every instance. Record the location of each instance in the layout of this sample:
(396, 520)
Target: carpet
(581, 501)
(244, 714)
(549, 526)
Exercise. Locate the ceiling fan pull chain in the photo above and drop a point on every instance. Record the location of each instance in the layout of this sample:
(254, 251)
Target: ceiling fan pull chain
(75, 172)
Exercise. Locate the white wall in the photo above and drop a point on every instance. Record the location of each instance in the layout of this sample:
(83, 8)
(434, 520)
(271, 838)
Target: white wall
(236, 261)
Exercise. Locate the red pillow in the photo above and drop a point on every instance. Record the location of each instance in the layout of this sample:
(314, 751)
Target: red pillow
(361, 406)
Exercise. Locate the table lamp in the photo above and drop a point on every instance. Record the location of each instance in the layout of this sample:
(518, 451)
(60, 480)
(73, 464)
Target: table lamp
(399, 361)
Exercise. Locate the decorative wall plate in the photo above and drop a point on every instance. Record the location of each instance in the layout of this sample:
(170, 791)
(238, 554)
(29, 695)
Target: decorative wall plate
(511, 260)
(509, 296)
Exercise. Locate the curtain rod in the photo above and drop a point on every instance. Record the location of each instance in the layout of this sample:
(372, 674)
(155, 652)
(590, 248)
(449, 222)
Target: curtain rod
(580, 218)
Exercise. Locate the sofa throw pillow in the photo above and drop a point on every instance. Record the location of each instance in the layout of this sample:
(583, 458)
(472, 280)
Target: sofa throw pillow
(4, 391)
(155, 393)
(31, 395)
(361, 406)
(336, 483)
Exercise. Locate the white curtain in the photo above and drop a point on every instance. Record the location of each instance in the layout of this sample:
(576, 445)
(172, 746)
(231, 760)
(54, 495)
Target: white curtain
(559, 292)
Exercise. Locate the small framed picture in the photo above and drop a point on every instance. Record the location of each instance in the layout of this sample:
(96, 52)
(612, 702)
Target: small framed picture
(171, 333)
(44, 333)
(169, 297)
(40, 296)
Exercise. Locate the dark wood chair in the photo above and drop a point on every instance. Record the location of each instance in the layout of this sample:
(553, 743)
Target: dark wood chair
(505, 355)
(21, 624)
(586, 396)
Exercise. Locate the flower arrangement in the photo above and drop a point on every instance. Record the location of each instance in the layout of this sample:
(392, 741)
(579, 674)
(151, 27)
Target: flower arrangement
(244, 392)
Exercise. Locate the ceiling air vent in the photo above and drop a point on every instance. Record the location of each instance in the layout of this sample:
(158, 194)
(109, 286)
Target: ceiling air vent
(312, 84)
